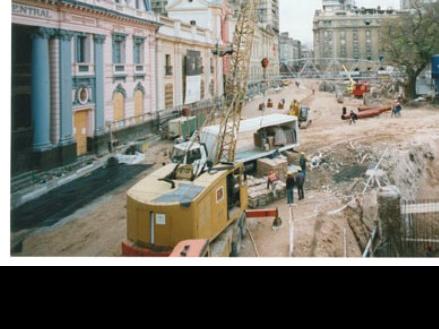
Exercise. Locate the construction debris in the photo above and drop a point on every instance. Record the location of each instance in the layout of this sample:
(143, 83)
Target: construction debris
(279, 165)
(258, 194)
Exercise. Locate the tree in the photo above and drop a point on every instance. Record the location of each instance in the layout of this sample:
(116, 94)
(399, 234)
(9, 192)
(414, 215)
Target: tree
(410, 40)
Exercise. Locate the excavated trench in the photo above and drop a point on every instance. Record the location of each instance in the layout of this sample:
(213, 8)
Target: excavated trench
(413, 169)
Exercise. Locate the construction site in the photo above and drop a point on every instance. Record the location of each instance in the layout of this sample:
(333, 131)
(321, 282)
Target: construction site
(353, 164)
(214, 183)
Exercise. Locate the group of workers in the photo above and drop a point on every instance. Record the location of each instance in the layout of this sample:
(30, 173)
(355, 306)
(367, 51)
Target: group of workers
(292, 181)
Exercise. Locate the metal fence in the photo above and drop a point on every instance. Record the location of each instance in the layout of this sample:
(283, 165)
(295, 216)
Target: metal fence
(159, 119)
(419, 233)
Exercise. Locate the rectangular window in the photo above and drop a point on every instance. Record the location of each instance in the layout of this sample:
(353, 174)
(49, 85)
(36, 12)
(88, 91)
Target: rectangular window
(81, 45)
(119, 48)
(168, 66)
(138, 50)
(117, 52)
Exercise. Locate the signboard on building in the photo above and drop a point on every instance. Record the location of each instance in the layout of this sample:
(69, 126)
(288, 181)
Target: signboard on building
(193, 89)
(23, 10)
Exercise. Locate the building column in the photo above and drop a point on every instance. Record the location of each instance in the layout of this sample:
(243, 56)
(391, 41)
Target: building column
(99, 90)
(40, 99)
(66, 86)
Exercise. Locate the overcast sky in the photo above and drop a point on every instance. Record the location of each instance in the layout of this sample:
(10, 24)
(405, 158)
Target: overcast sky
(296, 15)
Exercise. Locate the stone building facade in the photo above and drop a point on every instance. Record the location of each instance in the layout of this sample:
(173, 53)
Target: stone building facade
(349, 34)
(77, 67)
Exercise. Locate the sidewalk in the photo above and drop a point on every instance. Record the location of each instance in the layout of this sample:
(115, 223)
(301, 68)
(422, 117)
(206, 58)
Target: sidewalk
(38, 184)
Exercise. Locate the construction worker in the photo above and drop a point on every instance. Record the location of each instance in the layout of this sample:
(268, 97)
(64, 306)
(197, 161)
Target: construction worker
(397, 108)
(290, 188)
(294, 108)
(300, 182)
(354, 118)
(272, 181)
(303, 161)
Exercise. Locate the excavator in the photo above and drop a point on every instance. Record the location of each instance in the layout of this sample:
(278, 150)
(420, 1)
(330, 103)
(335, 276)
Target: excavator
(356, 89)
(181, 211)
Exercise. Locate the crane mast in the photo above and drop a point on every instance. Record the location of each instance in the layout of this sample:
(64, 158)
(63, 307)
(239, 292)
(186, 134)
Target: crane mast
(237, 81)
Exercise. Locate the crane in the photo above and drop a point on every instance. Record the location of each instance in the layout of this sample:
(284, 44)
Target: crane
(236, 83)
(204, 213)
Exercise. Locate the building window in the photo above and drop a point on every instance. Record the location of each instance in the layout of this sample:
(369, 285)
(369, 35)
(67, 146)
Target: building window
(118, 49)
(138, 50)
(168, 66)
(82, 49)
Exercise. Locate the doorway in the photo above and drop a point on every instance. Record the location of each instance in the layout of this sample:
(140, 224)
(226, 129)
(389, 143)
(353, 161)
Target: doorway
(81, 125)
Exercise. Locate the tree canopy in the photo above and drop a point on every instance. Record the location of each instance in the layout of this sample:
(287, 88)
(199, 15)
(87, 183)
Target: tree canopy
(409, 41)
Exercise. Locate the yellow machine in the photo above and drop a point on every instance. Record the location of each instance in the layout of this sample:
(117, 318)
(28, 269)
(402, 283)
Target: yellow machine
(178, 203)
(350, 88)
(164, 210)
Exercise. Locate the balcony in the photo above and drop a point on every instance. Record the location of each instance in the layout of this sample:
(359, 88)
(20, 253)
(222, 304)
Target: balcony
(119, 69)
(83, 69)
(138, 68)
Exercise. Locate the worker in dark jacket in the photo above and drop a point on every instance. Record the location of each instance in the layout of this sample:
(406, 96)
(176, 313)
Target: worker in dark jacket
(302, 162)
(300, 182)
(290, 188)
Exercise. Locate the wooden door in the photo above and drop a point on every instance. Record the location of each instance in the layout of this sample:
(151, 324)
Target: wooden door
(138, 105)
(118, 107)
(81, 124)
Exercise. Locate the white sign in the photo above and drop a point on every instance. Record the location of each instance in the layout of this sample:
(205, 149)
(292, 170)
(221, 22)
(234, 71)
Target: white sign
(193, 89)
(31, 11)
(160, 219)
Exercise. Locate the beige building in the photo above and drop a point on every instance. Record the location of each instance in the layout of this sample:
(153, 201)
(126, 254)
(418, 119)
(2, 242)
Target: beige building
(348, 34)
(187, 70)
